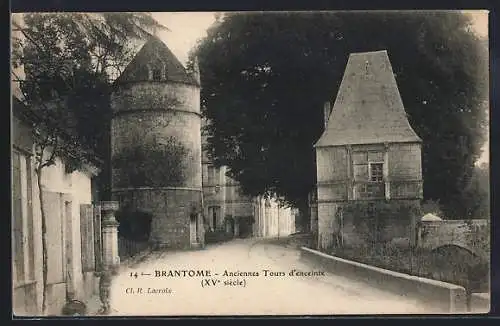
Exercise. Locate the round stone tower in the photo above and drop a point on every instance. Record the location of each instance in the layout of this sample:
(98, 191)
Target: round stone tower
(156, 146)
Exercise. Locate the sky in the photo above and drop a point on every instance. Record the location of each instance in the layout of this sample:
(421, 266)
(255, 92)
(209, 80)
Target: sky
(186, 28)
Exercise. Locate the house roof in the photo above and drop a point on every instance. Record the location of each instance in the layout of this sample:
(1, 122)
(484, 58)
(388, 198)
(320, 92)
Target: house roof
(156, 54)
(368, 108)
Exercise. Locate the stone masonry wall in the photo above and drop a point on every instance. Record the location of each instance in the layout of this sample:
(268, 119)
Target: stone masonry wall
(171, 210)
(155, 112)
(437, 233)
(148, 115)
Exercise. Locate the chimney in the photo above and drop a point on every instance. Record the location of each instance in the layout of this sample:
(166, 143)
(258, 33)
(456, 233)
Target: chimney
(327, 109)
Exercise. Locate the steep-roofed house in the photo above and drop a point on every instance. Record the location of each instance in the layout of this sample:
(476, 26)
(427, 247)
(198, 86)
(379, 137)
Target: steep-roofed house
(368, 152)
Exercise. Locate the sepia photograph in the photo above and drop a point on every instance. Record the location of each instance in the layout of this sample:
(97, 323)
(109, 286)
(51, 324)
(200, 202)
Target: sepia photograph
(255, 163)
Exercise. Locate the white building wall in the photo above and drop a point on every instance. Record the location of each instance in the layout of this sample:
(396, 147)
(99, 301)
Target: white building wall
(77, 188)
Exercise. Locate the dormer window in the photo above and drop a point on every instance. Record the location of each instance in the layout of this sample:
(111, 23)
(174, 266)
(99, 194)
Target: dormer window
(157, 74)
(149, 72)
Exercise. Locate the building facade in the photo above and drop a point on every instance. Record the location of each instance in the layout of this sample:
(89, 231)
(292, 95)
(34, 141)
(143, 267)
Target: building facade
(368, 151)
(72, 220)
(226, 208)
(72, 251)
(156, 145)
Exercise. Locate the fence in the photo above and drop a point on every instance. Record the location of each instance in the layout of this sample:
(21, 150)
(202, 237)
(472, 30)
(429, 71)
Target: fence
(128, 248)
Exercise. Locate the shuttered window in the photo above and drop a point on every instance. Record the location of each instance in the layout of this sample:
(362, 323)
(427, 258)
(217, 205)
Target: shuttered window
(17, 225)
(213, 175)
(368, 172)
(87, 237)
(22, 219)
(214, 215)
(368, 166)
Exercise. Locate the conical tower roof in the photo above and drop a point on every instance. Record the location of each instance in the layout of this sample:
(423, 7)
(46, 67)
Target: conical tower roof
(157, 55)
(368, 108)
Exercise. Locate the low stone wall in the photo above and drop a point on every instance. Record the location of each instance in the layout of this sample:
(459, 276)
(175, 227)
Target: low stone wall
(473, 235)
(480, 302)
(444, 297)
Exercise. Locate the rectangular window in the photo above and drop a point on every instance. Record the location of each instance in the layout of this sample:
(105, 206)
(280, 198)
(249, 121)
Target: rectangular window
(210, 173)
(214, 213)
(376, 172)
(368, 172)
(17, 225)
(368, 166)
(87, 237)
(360, 172)
(213, 175)
(157, 74)
(22, 219)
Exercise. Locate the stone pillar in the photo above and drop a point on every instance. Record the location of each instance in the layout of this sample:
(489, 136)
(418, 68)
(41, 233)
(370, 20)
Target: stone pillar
(111, 259)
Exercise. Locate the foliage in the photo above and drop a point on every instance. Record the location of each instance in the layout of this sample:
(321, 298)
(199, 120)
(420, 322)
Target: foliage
(154, 165)
(370, 218)
(476, 195)
(451, 265)
(478, 237)
(266, 76)
(68, 59)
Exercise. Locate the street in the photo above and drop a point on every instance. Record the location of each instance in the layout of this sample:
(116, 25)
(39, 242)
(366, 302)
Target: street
(196, 283)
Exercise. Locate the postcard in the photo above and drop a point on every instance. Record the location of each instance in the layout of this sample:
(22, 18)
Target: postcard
(250, 163)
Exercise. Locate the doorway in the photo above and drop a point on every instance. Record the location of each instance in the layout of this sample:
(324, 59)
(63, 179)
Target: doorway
(214, 215)
(193, 228)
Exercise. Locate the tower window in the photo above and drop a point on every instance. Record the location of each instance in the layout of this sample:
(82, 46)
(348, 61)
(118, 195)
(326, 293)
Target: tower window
(368, 170)
(214, 214)
(376, 172)
(157, 74)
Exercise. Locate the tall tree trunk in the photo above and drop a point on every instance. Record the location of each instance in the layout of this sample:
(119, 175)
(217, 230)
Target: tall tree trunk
(44, 242)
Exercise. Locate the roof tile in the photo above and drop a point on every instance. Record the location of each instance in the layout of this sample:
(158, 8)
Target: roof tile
(155, 54)
(368, 108)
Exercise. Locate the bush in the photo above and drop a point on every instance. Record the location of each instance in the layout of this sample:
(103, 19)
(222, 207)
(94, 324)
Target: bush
(372, 219)
(448, 263)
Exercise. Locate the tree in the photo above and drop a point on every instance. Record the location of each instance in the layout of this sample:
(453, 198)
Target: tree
(476, 198)
(266, 76)
(67, 59)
